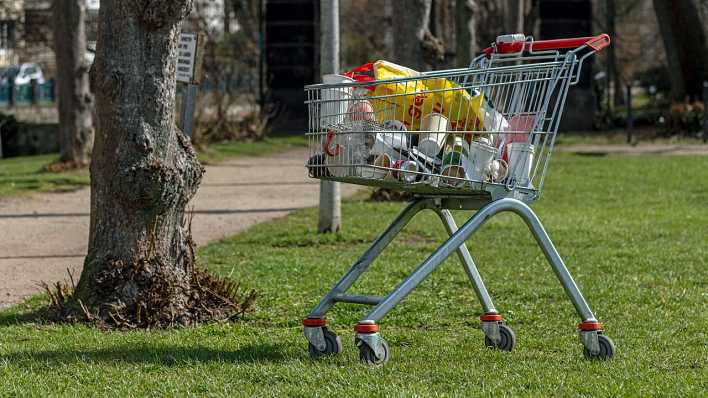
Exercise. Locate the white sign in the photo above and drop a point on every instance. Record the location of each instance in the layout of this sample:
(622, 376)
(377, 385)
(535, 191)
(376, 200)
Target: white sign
(186, 56)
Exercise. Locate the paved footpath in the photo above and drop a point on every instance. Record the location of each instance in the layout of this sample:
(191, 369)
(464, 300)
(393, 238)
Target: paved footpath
(42, 235)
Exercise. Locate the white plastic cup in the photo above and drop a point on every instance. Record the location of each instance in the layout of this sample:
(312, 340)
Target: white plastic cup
(520, 162)
(480, 157)
(453, 171)
(384, 161)
(432, 140)
(335, 101)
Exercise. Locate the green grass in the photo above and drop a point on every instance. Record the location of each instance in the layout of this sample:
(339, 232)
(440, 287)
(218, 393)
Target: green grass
(619, 137)
(215, 153)
(633, 231)
(28, 174)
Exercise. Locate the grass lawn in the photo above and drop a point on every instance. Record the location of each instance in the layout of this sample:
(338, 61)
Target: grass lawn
(619, 137)
(28, 174)
(215, 153)
(633, 230)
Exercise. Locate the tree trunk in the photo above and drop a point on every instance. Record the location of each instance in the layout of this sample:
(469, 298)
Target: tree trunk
(415, 46)
(613, 74)
(140, 264)
(443, 27)
(388, 39)
(685, 43)
(227, 16)
(75, 102)
(514, 16)
(466, 32)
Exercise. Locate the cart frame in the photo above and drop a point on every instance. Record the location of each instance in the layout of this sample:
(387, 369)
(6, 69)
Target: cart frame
(373, 348)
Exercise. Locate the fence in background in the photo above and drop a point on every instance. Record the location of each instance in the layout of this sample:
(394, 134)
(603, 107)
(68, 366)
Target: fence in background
(27, 94)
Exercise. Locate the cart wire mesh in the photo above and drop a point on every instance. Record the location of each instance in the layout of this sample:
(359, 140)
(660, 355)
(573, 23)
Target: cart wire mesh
(484, 130)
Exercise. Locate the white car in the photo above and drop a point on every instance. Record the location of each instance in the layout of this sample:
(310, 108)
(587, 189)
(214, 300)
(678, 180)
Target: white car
(22, 74)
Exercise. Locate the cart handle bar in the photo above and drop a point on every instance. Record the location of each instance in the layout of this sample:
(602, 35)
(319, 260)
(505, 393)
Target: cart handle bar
(517, 43)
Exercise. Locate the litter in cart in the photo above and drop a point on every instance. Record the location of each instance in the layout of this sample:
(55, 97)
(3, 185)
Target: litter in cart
(477, 138)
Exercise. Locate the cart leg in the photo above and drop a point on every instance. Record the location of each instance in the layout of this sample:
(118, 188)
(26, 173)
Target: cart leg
(596, 344)
(590, 327)
(497, 334)
(369, 256)
(466, 260)
(549, 250)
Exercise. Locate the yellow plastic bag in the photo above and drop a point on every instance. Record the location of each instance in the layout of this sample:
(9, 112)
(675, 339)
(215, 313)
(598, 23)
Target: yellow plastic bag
(414, 99)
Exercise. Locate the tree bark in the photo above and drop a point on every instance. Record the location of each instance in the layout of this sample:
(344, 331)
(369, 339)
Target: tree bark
(514, 16)
(466, 33)
(685, 42)
(140, 264)
(75, 102)
(613, 74)
(443, 27)
(415, 46)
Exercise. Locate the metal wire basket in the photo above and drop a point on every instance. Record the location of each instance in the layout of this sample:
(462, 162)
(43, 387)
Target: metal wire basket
(487, 130)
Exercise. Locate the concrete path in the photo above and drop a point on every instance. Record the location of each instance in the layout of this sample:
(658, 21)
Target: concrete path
(641, 149)
(43, 235)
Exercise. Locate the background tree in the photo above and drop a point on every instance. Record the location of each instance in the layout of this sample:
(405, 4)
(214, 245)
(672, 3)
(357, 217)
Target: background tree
(415, 45)
(684, 40)
(466, 31)
(74, 99)
(140, 268)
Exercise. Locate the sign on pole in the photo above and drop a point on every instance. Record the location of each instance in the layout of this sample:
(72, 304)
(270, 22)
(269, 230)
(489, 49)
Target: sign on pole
(187, 57)
(189, 72)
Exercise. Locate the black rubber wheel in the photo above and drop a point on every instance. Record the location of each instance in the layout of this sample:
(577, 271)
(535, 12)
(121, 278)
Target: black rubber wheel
(508, 339)
(334, 345)
(367, 356)
(607, 349)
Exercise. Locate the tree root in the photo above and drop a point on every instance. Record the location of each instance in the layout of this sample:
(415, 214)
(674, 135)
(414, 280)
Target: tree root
(162, 302)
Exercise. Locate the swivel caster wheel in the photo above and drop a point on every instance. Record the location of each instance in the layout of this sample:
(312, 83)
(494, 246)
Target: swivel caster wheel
(607, 349)
(507, 342)
(368, 356)
(333, 345)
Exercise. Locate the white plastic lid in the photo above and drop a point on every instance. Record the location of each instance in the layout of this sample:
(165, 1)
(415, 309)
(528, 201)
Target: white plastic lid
(511, 38)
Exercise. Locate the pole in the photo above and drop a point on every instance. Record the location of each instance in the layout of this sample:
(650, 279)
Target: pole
(330, 197)
(189, 103)
(630, 118)
(705, 112)
(2, 123)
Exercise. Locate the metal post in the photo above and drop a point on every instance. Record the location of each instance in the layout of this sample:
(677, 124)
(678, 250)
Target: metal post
(705, 112)
(261, 56)
(189, 102)
(2, 123)
(330, 197)
(630, 118)
(34, 92)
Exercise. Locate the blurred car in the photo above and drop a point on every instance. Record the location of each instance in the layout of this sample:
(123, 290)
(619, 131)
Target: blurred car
(22, 74)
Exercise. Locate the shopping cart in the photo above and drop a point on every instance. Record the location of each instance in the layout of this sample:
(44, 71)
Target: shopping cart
(478, 138)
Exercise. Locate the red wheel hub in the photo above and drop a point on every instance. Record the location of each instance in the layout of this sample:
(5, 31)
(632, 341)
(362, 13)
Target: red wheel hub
(313, 322)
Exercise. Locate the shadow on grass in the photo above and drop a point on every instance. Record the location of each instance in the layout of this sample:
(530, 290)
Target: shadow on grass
(32, 310)
(167, 356)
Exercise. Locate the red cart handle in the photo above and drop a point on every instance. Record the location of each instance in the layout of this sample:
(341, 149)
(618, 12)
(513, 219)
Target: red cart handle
(516, 43)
